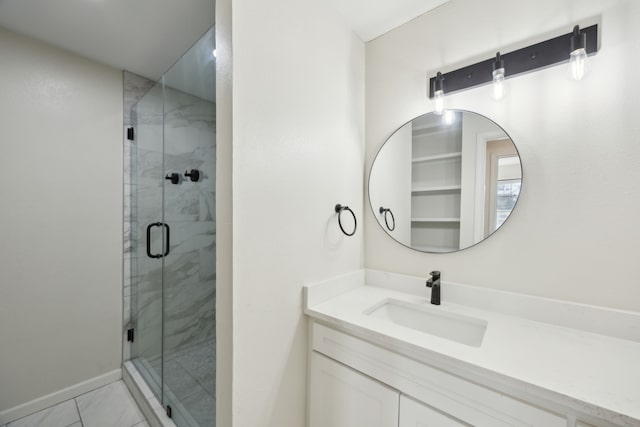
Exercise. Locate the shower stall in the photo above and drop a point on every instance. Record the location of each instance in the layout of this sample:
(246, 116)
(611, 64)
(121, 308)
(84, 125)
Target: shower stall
(172, 173)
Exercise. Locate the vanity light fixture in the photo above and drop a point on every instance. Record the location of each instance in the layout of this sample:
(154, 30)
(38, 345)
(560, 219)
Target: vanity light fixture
(578, 63)
(499, 89)
(438, 93)
(573, 47)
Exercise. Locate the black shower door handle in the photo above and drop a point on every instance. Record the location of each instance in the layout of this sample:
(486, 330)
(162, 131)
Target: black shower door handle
(149, 227)
(168, 243)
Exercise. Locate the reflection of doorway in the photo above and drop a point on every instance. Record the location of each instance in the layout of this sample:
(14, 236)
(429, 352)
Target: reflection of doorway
(502, 183)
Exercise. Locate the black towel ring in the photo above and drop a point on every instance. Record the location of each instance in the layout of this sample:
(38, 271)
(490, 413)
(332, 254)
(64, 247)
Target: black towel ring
(385, 211)
(339, 209)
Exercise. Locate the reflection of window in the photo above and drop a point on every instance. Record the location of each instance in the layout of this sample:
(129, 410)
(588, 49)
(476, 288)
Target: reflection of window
(507, 192)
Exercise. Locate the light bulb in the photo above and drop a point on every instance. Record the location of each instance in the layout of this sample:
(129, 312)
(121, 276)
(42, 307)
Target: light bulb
(499, 89)
(438, 93)
(499, 86)
(448, 117)
(578, 64)
(438, 98)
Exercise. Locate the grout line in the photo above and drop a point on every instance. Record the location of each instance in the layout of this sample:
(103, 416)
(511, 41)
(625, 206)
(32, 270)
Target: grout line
(194, 379)
(79, 414)
(41, 410)
(97, 388)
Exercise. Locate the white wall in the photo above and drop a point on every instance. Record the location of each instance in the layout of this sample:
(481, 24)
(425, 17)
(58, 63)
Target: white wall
(60, 220)
(298, 149)
(391, 180)
(574, 233)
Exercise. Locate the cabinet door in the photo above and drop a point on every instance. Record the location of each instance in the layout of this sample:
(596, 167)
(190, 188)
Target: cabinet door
(342, 397)
(414, 414)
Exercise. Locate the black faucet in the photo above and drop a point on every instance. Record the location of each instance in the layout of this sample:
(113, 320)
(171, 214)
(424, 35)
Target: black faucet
(434, 284)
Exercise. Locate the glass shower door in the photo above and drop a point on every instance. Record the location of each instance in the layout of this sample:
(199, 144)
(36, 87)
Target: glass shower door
(189, 269)
(146, 205)
(173, 268)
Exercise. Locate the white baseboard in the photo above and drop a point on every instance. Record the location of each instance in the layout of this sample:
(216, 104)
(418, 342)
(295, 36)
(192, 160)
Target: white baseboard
(59, 396)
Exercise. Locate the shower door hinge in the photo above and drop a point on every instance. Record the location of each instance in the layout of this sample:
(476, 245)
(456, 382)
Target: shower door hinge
(168, 411)
(130, 335)
(130, 134)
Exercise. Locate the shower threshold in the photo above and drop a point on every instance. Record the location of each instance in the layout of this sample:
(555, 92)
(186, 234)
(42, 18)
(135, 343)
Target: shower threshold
(143, 395)
(189, 375)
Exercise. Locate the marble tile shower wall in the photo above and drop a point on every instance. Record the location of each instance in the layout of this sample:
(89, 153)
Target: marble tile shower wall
(146, 208)
(187, 124)
(189, 270)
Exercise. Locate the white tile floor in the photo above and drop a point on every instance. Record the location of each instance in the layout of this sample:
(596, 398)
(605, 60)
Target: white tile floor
(108, 406)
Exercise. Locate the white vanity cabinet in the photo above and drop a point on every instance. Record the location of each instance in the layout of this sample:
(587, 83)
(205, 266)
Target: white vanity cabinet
(415, 414)
(342, 397)
(362, 384)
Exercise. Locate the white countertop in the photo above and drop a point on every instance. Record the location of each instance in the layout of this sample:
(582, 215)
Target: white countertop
(599, 374)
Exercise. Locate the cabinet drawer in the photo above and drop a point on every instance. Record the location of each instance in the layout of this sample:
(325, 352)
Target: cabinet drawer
(415, 414)
(342, 397)
(469, 402)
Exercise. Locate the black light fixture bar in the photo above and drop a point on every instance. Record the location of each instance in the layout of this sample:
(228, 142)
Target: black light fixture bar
(530, 58)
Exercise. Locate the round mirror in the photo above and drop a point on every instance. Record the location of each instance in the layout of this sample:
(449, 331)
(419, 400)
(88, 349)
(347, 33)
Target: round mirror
(442, 183)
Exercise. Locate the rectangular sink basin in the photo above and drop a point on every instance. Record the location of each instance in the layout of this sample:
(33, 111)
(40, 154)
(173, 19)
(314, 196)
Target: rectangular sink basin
(431, 320)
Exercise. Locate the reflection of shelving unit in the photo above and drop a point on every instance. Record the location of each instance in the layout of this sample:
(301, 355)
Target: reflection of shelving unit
(435, 219)
(440, 189)
(436, 184)
(438, 157)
